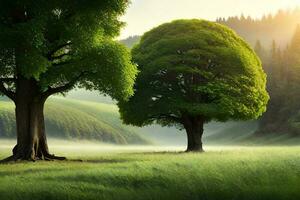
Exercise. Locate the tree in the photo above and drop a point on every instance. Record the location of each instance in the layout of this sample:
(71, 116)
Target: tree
(292, 87)
(193, 72)
(279, 27)
(283, 85)
(260, 50)
(50, 47)
(272, 120)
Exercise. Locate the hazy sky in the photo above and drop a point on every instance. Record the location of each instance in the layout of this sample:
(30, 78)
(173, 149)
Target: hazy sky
(143, 15)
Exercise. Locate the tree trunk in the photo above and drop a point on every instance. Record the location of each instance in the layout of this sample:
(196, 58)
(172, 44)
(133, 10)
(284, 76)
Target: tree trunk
(31, 137)
(194, 130)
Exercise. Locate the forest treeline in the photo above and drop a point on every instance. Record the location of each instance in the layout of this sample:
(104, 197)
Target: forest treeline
(279, 27)
(276, 39)
(282, 66)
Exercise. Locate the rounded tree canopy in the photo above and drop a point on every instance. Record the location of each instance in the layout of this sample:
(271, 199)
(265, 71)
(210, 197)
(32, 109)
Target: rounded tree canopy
(196, 68)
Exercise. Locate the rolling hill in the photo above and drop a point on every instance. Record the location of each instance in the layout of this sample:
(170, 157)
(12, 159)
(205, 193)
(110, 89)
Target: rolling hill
(81, 116)
(230, 132)
(74, 119)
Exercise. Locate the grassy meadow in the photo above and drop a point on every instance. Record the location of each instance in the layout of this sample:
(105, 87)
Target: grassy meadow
(99, 171)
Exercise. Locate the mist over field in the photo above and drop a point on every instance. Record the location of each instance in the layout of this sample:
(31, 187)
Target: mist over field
(84, 107)
(96, 170)
(95, 118)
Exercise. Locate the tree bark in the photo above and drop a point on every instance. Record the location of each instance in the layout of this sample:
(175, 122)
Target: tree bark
(31, 138)
(194, 130)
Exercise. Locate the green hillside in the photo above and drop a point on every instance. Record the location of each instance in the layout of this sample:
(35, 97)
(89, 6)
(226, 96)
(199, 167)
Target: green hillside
(73, 119)
(88, 119)
(131, 41)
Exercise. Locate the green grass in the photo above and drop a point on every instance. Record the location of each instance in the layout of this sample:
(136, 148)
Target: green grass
(112, 172)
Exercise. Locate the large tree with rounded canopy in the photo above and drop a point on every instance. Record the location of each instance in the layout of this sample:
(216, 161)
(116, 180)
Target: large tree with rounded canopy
(49, 47)
(193, 72)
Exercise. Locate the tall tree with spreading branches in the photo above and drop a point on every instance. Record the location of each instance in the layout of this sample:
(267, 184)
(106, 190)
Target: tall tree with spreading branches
(49, 47)
(193, 72)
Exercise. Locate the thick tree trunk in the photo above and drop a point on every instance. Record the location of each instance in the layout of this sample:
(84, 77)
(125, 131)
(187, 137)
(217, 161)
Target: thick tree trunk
(31, 137)
(194, 130)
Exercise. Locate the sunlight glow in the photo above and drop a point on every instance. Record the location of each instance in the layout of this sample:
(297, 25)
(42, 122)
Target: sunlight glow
(146, 14)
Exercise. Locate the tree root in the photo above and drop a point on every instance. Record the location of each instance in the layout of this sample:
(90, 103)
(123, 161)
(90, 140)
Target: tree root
(47, 157)
(8, 159)
(194, 151)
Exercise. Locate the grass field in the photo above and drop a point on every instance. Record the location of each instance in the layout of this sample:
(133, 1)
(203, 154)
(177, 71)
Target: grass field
(98, 171)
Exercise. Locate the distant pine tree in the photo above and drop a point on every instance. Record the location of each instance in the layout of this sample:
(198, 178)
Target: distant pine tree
(284, 88)
(279, 27)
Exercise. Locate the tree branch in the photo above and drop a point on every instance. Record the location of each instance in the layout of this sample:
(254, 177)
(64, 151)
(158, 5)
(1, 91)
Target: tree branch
(60, 56)
(65, 87)
(8, 79)
(70, 61)
(170, 117)
(61, 63)
(7, 92)
(50, 54)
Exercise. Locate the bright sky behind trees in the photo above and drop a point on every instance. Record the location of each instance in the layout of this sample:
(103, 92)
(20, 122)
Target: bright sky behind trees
(146, 14)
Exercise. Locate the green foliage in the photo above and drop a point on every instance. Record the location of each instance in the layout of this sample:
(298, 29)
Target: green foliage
(64, 42)
(198, 68)
(72, 119)
(262, 173)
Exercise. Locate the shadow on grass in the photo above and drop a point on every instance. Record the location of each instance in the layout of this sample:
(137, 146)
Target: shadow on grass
(46, 169)
(97, 161)
(164, 153)
(45, 194)
(113, 180)
(28, 172)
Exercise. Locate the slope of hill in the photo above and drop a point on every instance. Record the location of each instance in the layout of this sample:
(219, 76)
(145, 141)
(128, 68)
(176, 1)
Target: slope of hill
(93, 96)
(90, 120)
(214, 133)
(73, 119)
(131, 41)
